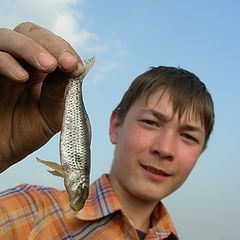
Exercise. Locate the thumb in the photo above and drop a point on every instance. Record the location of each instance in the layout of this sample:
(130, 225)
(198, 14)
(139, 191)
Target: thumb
(52, 100)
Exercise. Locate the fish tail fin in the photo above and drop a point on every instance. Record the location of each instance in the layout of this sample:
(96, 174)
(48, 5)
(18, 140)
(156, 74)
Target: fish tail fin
(88, 64)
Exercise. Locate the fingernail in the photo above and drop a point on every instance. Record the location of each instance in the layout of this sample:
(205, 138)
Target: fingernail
(67, 60)
(46, 60)
(20, 73)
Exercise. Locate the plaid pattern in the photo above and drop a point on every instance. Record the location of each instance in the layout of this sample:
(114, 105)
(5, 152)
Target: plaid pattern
(35, 212)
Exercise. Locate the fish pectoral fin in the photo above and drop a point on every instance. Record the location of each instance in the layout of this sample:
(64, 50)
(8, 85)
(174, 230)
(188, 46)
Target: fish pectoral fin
(58, 169)
(56, 173)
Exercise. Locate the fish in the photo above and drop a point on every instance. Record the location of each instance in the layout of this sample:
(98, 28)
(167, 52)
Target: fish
(75, 141)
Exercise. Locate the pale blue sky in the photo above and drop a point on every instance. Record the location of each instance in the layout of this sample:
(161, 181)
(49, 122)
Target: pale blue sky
(128, 37)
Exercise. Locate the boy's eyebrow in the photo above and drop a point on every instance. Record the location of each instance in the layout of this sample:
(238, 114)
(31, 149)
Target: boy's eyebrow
(157, 114)
(192, 128)
(165, 118)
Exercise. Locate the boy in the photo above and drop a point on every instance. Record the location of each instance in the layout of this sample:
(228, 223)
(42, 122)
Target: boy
(159, 129)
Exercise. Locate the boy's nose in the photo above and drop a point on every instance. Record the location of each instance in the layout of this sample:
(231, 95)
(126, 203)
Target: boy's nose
(163, 145)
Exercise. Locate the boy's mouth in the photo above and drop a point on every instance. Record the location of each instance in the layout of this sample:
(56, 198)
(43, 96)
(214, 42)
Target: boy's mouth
(155, 170)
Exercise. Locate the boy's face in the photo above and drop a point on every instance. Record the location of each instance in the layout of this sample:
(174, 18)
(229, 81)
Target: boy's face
(155, 150)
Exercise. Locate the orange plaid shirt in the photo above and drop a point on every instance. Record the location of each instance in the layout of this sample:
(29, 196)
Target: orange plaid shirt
(36, 212)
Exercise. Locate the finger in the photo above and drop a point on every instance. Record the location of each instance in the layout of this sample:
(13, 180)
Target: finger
(11, 69)
(68, 59)
(23, 47)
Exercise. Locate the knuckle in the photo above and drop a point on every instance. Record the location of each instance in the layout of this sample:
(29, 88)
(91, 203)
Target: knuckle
(25, 27)
(4, 30)
(57, 44)
(3, 55)
(5, 33)
(64, 43)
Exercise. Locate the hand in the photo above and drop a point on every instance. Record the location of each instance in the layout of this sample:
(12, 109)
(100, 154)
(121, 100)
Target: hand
(34, 63)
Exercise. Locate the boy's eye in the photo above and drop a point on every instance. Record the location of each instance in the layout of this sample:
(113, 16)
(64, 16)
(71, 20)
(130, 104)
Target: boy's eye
(190, 138)
(149, 122)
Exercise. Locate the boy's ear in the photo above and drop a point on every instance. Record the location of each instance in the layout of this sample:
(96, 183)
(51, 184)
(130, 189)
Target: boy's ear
(114, 126)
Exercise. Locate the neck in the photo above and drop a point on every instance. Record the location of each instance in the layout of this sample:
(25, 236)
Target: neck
(138, 210)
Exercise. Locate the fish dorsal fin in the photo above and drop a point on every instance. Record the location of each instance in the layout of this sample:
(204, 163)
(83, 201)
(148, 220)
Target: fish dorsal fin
(88, 64)
(58, 169)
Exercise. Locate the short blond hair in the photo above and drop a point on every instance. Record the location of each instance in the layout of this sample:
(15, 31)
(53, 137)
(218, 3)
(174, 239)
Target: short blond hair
(187, 94)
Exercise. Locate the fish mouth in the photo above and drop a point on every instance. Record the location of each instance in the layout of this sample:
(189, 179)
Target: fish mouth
(155, 170)
(77, 199)
(77, 188)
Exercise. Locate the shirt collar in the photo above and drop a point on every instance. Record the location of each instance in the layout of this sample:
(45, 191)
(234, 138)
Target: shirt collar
(102, 201)
(161, 221)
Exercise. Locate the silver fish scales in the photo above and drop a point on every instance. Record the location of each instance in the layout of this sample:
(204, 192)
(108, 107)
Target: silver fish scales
(75, 142)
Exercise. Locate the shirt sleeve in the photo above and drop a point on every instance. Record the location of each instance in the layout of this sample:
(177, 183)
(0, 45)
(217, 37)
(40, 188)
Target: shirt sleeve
(21, 209)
